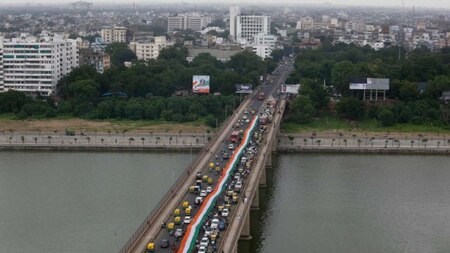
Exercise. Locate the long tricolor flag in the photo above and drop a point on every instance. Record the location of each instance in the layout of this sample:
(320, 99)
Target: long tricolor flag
(192, 231)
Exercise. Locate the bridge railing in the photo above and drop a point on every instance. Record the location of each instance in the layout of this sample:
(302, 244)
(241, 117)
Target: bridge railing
(175, 187)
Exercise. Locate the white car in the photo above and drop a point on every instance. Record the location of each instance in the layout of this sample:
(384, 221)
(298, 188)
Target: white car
(203, 193)
(231, 146)
(247, 121)
(187, 219)
(209, 189)
(208, 231)
(238, 186)
(199, 200)
(201, 249)
(215, 223)
(204, 242)
(225, 212)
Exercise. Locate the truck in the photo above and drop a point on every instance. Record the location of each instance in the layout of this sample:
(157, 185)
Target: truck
(260, 96)
(234, 136)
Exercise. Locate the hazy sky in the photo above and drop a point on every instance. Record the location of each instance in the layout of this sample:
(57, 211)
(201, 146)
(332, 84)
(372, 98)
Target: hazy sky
(381, 3)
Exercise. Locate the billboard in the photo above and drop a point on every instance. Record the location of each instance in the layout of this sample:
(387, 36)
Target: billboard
(244, 88)
(200, 84)
(371, 84)
(290, 88)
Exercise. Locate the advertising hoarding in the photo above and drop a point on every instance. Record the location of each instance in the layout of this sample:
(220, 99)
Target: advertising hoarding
(244, 88)
(200, 84)
(290, 88)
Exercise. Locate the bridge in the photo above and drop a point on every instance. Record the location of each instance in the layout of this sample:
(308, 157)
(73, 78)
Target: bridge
(229, 171)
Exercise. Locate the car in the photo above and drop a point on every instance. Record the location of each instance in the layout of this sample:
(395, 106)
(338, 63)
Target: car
(245, 117)
(247, 121)
(215, 223)
(237, 176)
(164, 243)
(203, 193)
(187, 219)
(208, 231)
(225, 212)
(179, 232)
(204, 242)
(198, 176)
(231, 146)
(238, 186)
(222, 226)
(201, 249)
(225, 156)
(198, 200)
(209, 189)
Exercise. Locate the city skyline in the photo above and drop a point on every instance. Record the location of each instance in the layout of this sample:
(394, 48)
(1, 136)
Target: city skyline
(441, 4)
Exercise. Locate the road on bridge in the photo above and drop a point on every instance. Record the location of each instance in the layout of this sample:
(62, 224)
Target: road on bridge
(255, 104)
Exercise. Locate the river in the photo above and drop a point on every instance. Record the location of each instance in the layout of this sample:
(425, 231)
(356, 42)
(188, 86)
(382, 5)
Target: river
(92, 202)
(355, 203)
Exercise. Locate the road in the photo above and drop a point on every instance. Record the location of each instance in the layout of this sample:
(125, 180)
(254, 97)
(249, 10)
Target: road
(279, 76)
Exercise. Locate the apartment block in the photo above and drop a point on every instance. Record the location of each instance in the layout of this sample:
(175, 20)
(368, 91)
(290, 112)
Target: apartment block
(149, 50)
(35, 65)
(189, 21)
(114, 34)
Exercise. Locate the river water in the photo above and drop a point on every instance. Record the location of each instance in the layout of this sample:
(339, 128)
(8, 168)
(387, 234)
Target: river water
(79, 202)
(93, 202)
(355, 203)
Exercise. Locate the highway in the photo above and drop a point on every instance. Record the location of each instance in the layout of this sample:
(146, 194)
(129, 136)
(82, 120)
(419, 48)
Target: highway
(255, 105)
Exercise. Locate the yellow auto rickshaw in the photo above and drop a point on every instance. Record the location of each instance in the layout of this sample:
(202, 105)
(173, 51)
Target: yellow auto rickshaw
(188, 211)
(235, 199)
(191, 189)
(170, 226)
(220, 208)
(177, 220)
(185, 204)
(217, 169)
(210, 181)
(229, 193)
(205, 178)
(150, 247)
(176, 212)
(211, 165)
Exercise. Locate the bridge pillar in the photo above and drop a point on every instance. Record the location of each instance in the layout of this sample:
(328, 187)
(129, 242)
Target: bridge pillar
(245, 232)
(255, 201)
(269, 159)
(263, 177)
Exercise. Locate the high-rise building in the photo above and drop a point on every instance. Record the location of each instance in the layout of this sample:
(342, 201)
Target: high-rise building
(243, 28)
(247, 26)
(234, 12)
(114, 34)
(35, 65)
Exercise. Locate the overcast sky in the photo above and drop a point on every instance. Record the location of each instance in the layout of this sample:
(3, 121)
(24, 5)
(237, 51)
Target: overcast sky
(381, 3)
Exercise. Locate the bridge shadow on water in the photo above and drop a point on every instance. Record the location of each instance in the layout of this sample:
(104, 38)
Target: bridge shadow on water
(259, 219)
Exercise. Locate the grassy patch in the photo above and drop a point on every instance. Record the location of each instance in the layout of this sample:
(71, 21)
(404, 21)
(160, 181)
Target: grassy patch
(332, 123)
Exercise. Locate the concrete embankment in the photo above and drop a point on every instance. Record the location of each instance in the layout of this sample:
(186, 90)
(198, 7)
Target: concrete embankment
(104, 148)
(376, 150)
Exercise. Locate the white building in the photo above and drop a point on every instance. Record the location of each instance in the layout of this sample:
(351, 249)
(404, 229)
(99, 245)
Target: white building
(150, 50)
(189, 21)
(115, 34)
(234, 12)
(35, 65)
(243, 27)
(264, 44)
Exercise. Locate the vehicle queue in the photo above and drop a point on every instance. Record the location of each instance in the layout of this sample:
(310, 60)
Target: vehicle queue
(217, 218)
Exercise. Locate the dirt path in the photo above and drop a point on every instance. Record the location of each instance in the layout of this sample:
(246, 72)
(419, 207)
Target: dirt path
(60, 125)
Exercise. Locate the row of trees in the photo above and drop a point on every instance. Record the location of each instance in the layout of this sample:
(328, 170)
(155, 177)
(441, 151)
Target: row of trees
(338, 64)
(146, 89)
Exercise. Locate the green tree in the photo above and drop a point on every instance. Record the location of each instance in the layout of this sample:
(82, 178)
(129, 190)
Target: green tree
(302, 109)
(386, 117)
(350, 108)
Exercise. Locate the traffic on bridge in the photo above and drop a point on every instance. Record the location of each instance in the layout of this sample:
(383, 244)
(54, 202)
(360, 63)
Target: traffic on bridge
(202, 214)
